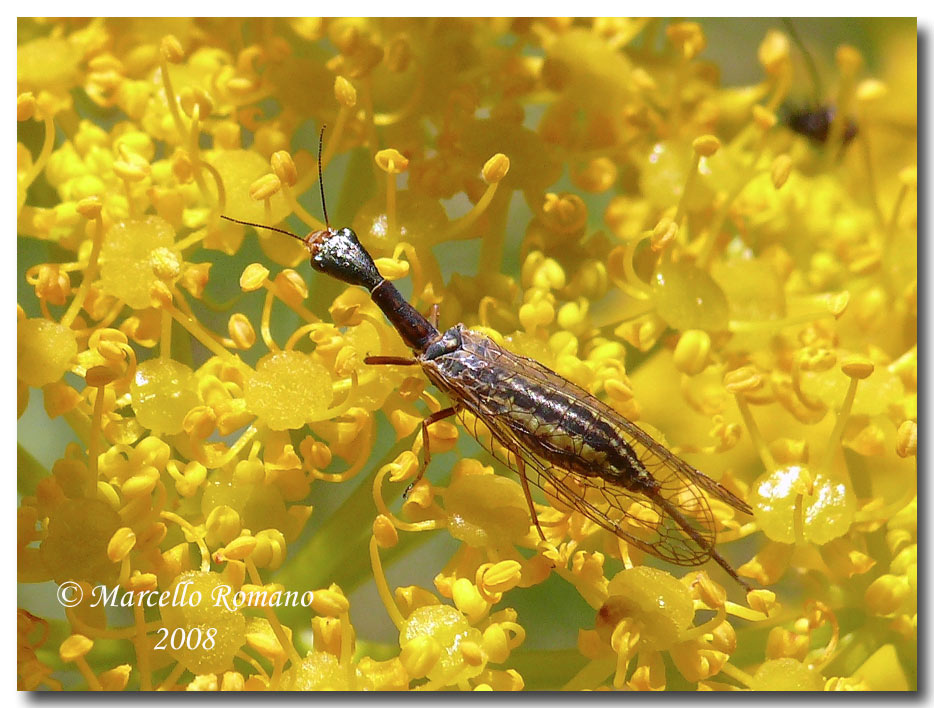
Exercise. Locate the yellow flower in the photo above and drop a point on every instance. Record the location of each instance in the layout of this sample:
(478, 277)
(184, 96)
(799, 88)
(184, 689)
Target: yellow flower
(204, 445)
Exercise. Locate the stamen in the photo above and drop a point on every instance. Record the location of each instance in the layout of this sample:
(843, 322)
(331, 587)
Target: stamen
(428, 525)
(698, 631)
(194, 150)
(594, 673)
(493, 172)
(165, 340)
(193, 533)
(856, 369)
(738, 674)
(265, 322)
(382, 586)
(90, 273)
(170, 95)
(48, 142)
(142, 648)
(201, 334)
(94, 444)
(270, 615)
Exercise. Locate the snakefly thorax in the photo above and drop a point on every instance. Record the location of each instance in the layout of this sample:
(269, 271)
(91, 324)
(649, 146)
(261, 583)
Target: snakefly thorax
(447, 344)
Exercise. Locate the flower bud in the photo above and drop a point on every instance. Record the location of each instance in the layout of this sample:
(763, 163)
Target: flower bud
(502, 577)
(241, 331)
(89, 207)
(857, 367)
(120, 544)
(692, 351)
(420, 654)
(385, 533)
(344, 92)
(330, 603)
(253, 277)
(763, 117)
(222, 526)
(706, 145)
(849, 60)
(468, 599)
(774, 52)
(239, 549)
(75, 647)
(284, 167)
(906, 439)
(25, 106)
(290, 286)
(392, 161)
(761, 600)
(886, 594)
(781, 170)
(495, 168)
(871, 90)
(190, 97)
(743, 380)
(99, 376)
(171, 49)
(265, 187)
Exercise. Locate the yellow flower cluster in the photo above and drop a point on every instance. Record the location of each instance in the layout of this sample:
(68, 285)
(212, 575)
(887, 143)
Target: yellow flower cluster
(749, 291)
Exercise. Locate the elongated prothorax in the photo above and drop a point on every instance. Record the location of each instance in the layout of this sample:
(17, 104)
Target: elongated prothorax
(340, 254)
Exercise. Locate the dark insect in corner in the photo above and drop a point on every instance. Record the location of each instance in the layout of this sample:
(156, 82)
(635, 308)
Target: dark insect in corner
(814, 121)
(555, 435)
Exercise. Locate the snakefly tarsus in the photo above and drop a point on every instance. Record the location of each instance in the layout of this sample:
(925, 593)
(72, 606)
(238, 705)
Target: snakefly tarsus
(555, 435)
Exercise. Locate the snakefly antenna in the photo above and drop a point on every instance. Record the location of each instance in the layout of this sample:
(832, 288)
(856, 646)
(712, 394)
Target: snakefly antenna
(324, 207)
(262, 226)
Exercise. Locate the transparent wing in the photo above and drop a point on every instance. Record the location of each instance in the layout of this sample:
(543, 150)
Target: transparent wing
(669, 469)
(675, 523)
(658, 459)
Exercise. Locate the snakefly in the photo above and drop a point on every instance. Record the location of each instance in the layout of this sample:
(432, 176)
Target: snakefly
(555, 435)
